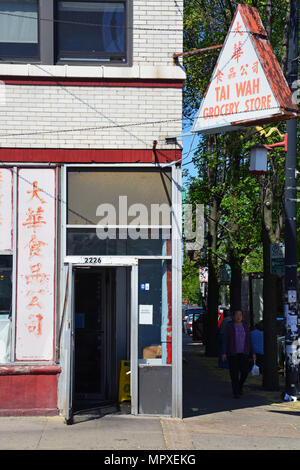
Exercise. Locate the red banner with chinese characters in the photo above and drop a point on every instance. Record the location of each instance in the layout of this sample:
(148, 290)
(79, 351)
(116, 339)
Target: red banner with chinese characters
(36, 265)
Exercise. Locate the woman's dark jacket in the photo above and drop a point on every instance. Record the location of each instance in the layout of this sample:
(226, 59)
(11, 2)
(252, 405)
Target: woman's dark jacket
(228, 345)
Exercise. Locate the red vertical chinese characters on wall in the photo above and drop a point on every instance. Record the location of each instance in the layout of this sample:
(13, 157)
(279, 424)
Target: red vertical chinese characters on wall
(36, 264)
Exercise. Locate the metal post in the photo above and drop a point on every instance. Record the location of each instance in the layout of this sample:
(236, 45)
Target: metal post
(176, 292)
(134, 364)
(291, 314)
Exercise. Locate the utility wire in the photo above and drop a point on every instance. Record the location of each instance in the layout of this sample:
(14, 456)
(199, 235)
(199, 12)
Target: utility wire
(81, 129)
(108, 118)
(249, 137)
(80, 23)
(121, 126)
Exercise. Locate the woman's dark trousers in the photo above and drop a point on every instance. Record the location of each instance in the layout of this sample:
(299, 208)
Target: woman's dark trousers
(238, 369)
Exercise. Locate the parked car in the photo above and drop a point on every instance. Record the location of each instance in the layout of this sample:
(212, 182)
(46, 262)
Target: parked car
(185, 317)
(198, 327)
(223, 311)
(193, 313)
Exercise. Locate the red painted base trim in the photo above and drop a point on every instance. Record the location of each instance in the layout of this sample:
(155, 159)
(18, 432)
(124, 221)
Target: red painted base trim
(28, 390)
(109, 82)
(34, 412)
(88, 155)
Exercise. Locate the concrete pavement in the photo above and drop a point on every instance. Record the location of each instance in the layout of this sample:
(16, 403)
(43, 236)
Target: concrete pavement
(213, 420)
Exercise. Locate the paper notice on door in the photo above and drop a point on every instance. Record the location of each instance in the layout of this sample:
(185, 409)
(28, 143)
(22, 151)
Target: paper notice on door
(146, 314)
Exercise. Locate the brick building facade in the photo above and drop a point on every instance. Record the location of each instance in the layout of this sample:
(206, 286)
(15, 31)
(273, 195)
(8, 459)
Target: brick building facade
(84, 122)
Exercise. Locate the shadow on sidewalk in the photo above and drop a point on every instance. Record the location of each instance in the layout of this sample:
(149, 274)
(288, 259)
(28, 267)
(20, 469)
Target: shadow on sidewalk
(207, 388)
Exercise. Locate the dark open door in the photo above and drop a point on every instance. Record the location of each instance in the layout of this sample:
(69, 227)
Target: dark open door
(94, 367)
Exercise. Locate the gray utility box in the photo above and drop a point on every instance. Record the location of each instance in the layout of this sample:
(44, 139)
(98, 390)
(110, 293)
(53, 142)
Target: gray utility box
(155, 389)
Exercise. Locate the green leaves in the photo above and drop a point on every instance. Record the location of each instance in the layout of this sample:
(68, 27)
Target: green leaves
(223, 180)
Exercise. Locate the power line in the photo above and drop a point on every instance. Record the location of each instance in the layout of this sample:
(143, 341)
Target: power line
(79, 23)
(244, 138)
(134, 28)
(121, 126)
(79, 129)
(115, 125)
(93, 108)
(56, 198)
(100, 113)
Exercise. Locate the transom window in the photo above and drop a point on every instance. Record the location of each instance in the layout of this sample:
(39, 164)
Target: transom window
(65, 31)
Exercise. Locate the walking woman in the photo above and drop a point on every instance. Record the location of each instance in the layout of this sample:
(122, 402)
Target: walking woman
(236, 347)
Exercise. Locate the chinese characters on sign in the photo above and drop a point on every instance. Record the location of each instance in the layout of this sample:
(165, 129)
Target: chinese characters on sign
(239, 91)
(5, 209)
(36, 264)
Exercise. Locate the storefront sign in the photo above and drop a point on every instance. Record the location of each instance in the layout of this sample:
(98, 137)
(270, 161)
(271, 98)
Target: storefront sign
(36, 264)
(247, 85)
(6, 185)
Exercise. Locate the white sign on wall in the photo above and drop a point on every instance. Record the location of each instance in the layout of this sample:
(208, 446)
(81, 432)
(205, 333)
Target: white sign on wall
(239, 91)
(145, 314)
(36, 265)
(6, 185)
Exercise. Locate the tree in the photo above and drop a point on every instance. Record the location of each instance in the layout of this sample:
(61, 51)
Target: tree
(190, 282)
(224, 174)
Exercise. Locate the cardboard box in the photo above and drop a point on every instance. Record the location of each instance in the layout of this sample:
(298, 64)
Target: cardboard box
(152, 352)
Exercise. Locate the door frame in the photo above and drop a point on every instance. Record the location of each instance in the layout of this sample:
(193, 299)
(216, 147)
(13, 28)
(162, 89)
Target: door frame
(100, 261)
(175, 257)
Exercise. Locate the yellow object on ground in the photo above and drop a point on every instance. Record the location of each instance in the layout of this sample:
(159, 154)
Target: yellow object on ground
(124, 381)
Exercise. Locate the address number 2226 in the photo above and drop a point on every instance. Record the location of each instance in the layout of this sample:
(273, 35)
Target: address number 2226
(92, 260)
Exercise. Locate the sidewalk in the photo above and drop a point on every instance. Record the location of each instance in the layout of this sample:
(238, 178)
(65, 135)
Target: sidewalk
(213, 420)
(259, 420)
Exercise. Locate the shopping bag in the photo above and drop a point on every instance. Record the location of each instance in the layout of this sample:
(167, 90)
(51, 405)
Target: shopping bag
(255, 369)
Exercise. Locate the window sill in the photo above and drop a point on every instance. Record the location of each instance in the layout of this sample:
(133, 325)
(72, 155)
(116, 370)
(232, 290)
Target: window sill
(171, 72)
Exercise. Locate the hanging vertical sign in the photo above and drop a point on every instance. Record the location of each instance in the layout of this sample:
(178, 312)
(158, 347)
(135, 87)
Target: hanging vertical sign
(36, 265)
(247, 86)
(6, 185)
(277, 258)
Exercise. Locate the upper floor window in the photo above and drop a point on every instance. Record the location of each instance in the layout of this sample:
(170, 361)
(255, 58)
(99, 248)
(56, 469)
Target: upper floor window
(65, 31)
(19, 29)
(91, 31)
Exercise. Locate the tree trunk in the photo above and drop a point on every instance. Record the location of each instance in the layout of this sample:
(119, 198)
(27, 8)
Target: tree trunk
(269, 18)
(213, 286)
(235, 283)
(270, 375)
(285, 43)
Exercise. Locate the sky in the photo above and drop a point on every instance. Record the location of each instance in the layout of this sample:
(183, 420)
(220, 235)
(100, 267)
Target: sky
(189, 144)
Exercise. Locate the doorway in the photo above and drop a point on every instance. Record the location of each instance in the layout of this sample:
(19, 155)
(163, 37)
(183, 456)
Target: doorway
(95, 368)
